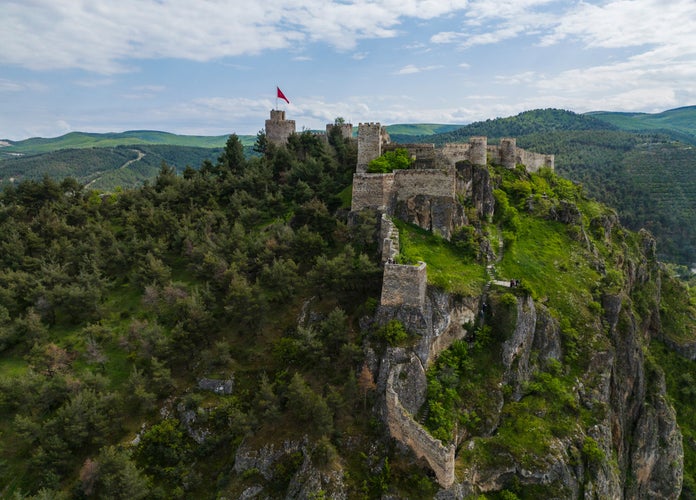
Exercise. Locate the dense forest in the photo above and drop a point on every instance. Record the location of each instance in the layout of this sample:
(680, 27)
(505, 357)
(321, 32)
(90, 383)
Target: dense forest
(118, 309)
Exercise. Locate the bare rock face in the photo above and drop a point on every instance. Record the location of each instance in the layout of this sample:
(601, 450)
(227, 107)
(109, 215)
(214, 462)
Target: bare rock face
(475, 182)
(305, 482)
(438, 214)
(641, 446)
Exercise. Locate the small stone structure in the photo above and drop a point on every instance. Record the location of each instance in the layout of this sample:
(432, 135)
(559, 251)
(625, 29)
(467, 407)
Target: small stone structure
(404, 285)
(278, 129)
(217, 386)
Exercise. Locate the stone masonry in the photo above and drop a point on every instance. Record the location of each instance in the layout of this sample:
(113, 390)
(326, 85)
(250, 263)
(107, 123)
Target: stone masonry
(371, 137)
(278, 129)
(404, 285)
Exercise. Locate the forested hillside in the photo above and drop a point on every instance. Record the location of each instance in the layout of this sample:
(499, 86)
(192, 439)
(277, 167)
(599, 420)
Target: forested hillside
(105, 168)
(679, 123)
(214, 334)
(648, 177)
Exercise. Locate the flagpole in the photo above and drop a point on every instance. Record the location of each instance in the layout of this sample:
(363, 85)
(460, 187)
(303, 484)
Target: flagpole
(276, 97)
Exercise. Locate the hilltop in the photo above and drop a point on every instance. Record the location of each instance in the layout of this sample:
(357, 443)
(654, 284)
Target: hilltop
(226, 333)
(638, 163)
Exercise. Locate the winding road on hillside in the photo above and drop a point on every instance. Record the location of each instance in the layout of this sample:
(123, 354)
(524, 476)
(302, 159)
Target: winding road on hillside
(140, 156)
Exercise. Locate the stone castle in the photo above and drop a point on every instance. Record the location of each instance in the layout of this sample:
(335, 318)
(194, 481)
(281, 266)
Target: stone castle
(430, 195)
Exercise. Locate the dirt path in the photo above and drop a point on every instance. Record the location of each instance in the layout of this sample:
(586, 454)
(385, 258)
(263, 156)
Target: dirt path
(140, 156)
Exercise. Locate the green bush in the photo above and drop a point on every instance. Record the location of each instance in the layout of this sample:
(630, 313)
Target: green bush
(591, 451)
(391, 160)
(394, 333)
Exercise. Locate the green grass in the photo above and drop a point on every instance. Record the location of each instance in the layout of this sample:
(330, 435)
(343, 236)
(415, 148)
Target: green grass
(346, 197)
(447, 267)
(680, 378)
(12, 366)
(551, 264)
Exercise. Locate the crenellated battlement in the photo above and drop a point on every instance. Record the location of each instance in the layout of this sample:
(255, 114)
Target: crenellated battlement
(278, 129)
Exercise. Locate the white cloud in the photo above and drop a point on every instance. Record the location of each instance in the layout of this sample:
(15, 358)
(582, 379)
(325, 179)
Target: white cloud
(410, 69)
(14, 86)
(104, 36)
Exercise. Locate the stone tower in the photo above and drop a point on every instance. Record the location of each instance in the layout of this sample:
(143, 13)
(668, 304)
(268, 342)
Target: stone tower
(370, 139)
(478, 149)
(346, 129)
(508, 152)
(278, 129)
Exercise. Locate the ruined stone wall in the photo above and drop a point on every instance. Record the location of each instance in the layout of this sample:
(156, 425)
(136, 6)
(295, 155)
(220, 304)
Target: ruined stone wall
(278, 129)
(433, 182)
(535, 161)
(371, 191)
(403, 428)
(404, 285)
(370, 138)
(389, 235)
(450, 154)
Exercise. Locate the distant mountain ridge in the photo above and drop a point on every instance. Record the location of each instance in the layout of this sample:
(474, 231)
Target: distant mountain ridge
(79, 140)
(679, 123)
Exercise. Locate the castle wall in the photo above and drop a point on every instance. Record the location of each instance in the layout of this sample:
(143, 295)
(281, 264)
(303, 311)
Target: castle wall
(434, 182)
(451, 153)
(389, 236)
(371, 191)
(535, 161)
(404, 429)
(278, 129)
(404, 285)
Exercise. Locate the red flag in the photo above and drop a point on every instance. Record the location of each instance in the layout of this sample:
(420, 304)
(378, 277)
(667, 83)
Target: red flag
(281, 95)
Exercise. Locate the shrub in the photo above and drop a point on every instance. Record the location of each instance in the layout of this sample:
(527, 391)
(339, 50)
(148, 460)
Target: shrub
(591, 451)
(394, 333)
(390, 161)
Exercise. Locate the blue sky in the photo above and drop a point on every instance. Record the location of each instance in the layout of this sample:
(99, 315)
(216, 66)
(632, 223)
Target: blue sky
(210, 67)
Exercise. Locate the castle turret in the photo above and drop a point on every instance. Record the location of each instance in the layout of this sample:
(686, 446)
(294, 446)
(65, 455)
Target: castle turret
(508, 152)
(345, 128)
(371, 136)
(478, 150)
(278, 129)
